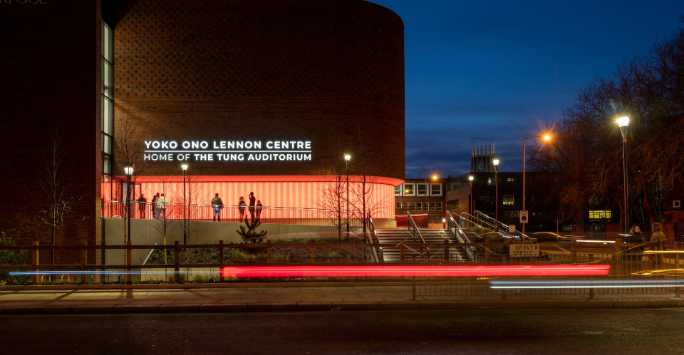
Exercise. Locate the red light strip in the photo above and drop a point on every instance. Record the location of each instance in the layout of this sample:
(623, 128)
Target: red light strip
(370, 271)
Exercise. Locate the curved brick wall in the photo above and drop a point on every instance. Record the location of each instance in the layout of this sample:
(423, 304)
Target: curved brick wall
(329, 71)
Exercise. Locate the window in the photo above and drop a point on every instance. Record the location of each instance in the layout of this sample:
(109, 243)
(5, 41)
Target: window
(600, 214)
(436, 189)
(398, 206)
(107, 97)
(435, 206)
(409, 189)
(508, 200)
(422, 189)
(397, 190)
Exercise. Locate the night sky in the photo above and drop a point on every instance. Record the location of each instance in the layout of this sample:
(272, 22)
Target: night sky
(484, 71)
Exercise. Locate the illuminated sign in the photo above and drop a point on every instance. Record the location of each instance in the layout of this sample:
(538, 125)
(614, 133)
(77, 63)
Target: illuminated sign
(159, 150)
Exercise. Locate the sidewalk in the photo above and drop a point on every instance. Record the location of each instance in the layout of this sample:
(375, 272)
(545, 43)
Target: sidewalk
(311, 296)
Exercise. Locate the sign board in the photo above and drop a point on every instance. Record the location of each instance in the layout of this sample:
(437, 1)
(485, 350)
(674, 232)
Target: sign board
(523, 216)
(527, 250)
(222, 151)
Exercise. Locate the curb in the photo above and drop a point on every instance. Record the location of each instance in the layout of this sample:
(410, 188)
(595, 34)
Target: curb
(241, 308)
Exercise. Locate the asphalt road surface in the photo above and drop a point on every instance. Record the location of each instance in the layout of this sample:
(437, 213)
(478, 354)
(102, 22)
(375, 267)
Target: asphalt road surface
(476, 331)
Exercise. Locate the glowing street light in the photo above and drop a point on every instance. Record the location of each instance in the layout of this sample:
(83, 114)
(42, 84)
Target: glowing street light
(496, 162)
(622, 122)
(347, 159)
(471, 178)
(434, 177)
(128, 171)
(184, 167)
(547, 137)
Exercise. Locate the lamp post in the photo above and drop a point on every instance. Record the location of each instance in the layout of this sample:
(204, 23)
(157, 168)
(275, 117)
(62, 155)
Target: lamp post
(471, 178)
(495, 163)
(623, 123)
(347, 159)
(128, 171)
(434, 177)
(184, 167)
(546, 138)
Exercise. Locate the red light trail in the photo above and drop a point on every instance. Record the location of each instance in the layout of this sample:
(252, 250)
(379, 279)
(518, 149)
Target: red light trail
(372, 271)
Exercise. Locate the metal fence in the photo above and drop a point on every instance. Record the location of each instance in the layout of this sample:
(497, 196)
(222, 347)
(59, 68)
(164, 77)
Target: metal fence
(194, 212)
(174, 261)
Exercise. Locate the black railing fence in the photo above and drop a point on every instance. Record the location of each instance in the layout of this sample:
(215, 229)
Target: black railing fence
(194, 212)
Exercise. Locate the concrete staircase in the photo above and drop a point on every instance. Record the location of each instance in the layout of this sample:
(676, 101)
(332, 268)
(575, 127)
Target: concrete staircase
(436, 240)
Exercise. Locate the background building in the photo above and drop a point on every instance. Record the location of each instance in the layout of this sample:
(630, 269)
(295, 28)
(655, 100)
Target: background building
(88, 92)
(330, 73)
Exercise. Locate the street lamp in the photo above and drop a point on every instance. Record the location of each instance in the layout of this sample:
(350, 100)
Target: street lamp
(434, 177)
(184, 167)
(495, 163)
(623, 123)
(546, 137)
(347, 159)
(128, 171)
(471, 178)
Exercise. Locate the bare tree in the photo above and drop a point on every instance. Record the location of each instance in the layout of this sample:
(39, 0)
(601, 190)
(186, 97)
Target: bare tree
(587, 153)
(332, 203)
(53, 187)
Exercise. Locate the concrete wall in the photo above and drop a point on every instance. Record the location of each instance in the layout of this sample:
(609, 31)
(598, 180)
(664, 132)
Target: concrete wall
(200, 232)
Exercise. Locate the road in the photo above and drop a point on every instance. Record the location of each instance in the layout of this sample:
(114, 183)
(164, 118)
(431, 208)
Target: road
(474, 331)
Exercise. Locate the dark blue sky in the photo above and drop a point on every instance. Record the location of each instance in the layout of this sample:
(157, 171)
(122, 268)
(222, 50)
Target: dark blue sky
(485, 71)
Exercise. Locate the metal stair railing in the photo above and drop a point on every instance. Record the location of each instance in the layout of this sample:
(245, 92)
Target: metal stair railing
(500, 225)
(457, 233)
(415, 233)
(374, 242)
(467, 217)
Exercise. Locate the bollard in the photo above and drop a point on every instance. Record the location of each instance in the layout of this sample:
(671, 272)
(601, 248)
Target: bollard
(618, 253)
(221, 260)
(84, 261)
(677, 295)
(36, 261)
(176, 261)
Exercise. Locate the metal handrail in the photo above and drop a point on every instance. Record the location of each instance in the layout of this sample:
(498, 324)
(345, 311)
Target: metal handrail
(230, 213)
(460, 235)
(373, 242)
(498, 224)
(415, 231)
(471, 219)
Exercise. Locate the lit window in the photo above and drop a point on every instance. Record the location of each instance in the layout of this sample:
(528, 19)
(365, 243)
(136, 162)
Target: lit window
(409, 189)
(510, 179)
(436, 189)
(421, 189)
(397, 190)
(508, 200)
(600, 214)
